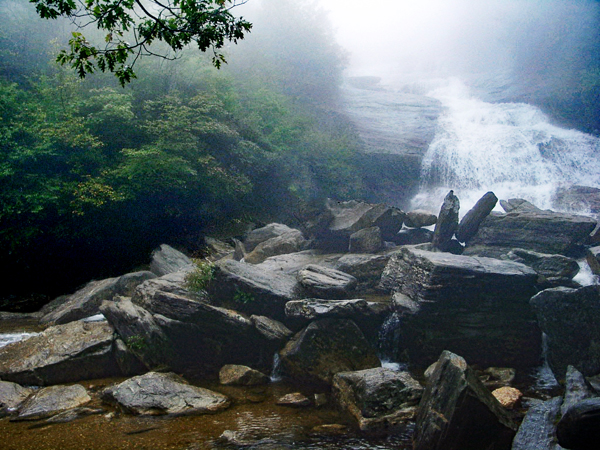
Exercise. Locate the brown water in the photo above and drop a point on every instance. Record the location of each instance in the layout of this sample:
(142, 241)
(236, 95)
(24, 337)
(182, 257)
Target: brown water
(254, 416)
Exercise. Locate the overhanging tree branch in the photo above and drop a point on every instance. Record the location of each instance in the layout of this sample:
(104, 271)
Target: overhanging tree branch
(178, 23)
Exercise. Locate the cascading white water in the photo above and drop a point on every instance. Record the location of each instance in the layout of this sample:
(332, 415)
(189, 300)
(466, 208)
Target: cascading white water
(511, 149)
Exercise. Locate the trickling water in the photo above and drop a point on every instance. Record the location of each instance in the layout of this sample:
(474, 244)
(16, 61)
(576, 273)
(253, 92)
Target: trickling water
(585, 277)
(388, 341)
(276, 374)
(511, 149)
(544, 377)
(9, 338)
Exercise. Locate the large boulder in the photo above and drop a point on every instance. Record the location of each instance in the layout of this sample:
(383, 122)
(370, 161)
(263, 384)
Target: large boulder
(447, 222)
(86, 301)
(419, 218)
(553, 270)
(238, 375)
(174, 282)
(534, 229)
(292, 263)
(12, 395)
(469, 224)
(324, 348)
(326, 283)
(379, 399)
(367, 240)
(61, 354)
(253, 289)
(571, 320)
(366, 268)
(538, 429)
(593, 259)
(290, 242)
(164, 393)
(52, 400)
(473, 305)
(579, 427)
(166, 259)
(576, 389)
(259, 235)
(458, 412)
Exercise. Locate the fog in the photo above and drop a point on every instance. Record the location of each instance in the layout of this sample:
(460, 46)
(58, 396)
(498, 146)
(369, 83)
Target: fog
(534, 40)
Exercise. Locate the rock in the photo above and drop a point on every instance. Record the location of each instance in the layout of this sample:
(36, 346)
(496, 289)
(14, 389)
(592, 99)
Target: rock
(579, 427)
(513, 205)
(468, 226)
(296, 400)
(241, 376)
(129, 364)
(324, 348)
(273, 230)
(377, 398)
(11, 396)
(51, 401)
(508, 397)
(593, 259)
(447, 222)
(578, 198)
(253, 289)
(420, 218)
(73, 414)
(85, 302)
(240, 250)
(554, 270)
(576, 389)
(166, 259)
(326, 283)
(457, 412)
(367, 315)
(540, 231)
(367, 240)
(352, 216)
(537, 431)
(172, 282)
(218, 249)
(367, 269)
(139, 331)
(270, 329)
(475, 305)
(164, 393)
(290, 242)
(413, 236)
(571, 320)
(499, 376)
(292, 263)
(61, 354)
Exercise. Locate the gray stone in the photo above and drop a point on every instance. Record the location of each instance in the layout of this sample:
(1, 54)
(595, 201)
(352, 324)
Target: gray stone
(538, 429)
(447, 222)
(420, 218)
(52, 400)
(473, 305)
(218, 249)
(294, 400)
(61, 354)
(379, 399)
(11, 396)
(458, 412)
(593, 259)
(271, 329)
(413, 236)
(266, 292)
(312, 308)
(164, 393)
(173, 282)
(86, 301)
(290, 242)
(576, 389)
(571, 320)
(579, 427)
(554, 270)
(578, 198)
(166, 259)
(367, 269)
(324, 348)
(540, 231)
(513, 205)
(73, 414)
(238, 375)
(292, 263)
(468, 226)
(326, 283)
(367, 240)
(255, 237)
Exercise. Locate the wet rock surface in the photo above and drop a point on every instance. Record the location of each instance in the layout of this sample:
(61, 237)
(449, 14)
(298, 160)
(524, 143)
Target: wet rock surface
(289, 242)
(537, 431)
(11, 396)
(51, 401)
(469, 224)
(164, 393)
(579, 427)
(323, 282)
(241, 376)
(166, 259)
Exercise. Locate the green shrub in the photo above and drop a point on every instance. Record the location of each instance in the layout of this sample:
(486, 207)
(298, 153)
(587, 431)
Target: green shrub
(199, 279)
(241, 297)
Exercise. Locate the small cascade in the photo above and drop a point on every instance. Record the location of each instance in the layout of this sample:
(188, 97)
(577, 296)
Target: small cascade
(276, 373)
(545, 380)
(585, 276)
(388, 342)
(9, 338)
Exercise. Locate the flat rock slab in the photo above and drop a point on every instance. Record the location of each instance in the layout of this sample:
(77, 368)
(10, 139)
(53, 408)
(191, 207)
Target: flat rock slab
(475, 306)
(292, 263)
(61, 354)
(323, 282)
(11, 396)
(378, 398)
(52, 400)
(457, 412)
(312, 308)
(538, 429)
(166, 259)
(290, 242)
(540, 231)
(164, 393)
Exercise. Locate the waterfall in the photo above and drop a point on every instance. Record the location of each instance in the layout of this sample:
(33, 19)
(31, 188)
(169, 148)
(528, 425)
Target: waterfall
(511, 149)
(544, 377)
(276, 374)
(388, 342)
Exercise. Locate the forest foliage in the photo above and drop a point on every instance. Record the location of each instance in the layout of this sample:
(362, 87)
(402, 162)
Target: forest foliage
(94, 176)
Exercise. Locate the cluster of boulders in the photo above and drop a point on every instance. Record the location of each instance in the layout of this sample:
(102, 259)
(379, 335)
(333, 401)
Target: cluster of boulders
(483, 288)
